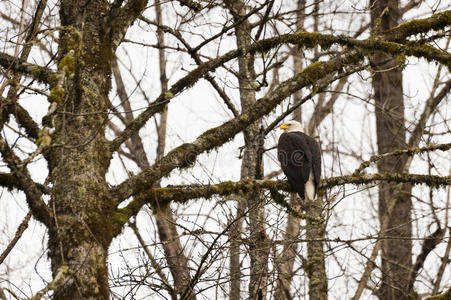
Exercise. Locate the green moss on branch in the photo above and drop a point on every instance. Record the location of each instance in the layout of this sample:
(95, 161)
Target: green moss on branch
(444, 296)
(162, 197)
(39, 73)
(434, 22)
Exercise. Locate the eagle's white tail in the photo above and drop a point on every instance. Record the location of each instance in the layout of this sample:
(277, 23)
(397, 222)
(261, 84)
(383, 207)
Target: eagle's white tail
(310, 187)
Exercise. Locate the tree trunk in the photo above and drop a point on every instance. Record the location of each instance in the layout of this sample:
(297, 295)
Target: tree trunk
(316, 265)
(391, 135)
(81, 233)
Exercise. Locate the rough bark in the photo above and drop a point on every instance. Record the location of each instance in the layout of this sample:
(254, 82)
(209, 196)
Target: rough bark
(297, 58)
(80, 198)
(391, 135)
(316, 264)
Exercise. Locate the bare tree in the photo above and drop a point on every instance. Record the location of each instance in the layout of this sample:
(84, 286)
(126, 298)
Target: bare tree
(133, 204)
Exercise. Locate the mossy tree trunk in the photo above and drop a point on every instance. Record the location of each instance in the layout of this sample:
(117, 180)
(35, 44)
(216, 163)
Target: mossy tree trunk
(391, 135)
(80, 199)
(316, 260)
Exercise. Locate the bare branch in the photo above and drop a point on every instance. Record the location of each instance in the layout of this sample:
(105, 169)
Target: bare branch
(153, 261)
(430, 107)
(198, 61)
(408, 151)
(34, 196)
(55, 284)
(428, 245)
(19, 232)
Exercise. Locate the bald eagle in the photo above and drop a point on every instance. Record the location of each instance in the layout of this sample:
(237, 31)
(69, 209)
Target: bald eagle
(300, 159)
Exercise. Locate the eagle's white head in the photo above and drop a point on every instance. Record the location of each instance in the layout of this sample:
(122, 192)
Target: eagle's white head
(291, 126)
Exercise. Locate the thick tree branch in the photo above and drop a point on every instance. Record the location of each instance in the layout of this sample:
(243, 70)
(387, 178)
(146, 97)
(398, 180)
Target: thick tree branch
(434, 22)
(57, 283)
(10, 182)
(445, 296)
(182, 194)
(25, 120)
(22, 117)
(39, 73)
(321, 87)
(121, 18)
(193, 5)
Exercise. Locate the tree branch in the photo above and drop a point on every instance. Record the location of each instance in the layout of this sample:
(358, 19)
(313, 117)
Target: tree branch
(408, 151)
(120, 18)
(10, 182)
(39, 73)
(430, 107)
(428, 245)
(33, 194)
(444, 296)
(198, 61)
(19, 232)
(182, 194)
(55, 284)
(434, 22)
(194, 6)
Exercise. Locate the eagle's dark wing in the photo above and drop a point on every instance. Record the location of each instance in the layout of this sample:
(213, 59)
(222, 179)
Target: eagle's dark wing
(294, 154)
(316, 160)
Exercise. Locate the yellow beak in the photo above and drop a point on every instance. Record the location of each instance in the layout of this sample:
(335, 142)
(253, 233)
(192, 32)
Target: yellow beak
(284, 126)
